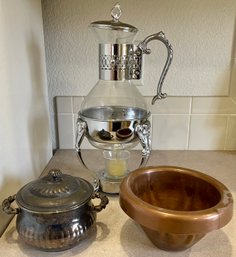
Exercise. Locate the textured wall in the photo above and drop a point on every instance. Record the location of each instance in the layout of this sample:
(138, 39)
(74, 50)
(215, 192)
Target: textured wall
(25, 143)
(201, 32)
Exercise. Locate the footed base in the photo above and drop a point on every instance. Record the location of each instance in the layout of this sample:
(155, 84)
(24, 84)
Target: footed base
(109, 185)
(170, 241)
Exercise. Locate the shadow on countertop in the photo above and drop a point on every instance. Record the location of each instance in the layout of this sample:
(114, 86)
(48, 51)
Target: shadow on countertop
(135, 243)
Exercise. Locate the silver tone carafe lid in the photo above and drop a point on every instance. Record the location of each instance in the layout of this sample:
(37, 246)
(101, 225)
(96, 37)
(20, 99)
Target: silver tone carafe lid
(114, 24)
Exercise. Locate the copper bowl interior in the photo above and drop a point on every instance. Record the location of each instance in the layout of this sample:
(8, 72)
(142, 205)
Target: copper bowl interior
(175, 191)
(175, 206)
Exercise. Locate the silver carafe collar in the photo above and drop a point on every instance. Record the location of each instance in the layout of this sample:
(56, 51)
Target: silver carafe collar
(118, 62)
(124, 61)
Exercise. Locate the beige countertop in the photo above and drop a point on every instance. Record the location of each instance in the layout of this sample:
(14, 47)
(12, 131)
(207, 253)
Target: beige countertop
(116, 234)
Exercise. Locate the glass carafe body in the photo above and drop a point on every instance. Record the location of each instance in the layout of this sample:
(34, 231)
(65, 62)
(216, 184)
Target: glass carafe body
(114, 116)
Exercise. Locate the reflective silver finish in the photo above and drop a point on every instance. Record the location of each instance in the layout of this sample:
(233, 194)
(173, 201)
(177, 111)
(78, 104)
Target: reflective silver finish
(143, 47)
(120, 61)
(56, 211)
(111, 120)
(143, 131)
(124, 61)
(115, 61)
(114, 24)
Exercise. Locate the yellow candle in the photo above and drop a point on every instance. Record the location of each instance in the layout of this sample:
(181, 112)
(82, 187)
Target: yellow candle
(116, 162)
(116, 167)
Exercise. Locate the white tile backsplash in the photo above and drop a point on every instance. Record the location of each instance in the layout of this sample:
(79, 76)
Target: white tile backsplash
(178, 123)
(213, 105)
(170, 105)
(230, 143)
(207, 132)
(64, 104)
(77, 101)
(233, 78)
(66, 130)
(170, 132)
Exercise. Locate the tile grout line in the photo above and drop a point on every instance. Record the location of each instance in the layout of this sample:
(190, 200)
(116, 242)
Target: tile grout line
(233, 100)
(189, 122)
(73, 104)
(74, 128)
(226, 132)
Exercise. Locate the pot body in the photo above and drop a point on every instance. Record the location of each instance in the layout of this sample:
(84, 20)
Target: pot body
(55, 211)
(56, 231)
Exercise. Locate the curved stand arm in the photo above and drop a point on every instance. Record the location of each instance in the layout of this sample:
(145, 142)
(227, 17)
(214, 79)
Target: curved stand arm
(145, 50)
(142, 130)
(80, 133)
(143, 133)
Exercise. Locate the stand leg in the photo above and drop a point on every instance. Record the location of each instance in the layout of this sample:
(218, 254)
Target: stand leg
(143, 131)
(80, 133)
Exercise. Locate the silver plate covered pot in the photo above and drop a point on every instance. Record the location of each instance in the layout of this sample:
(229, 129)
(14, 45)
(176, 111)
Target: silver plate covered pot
(55, 212)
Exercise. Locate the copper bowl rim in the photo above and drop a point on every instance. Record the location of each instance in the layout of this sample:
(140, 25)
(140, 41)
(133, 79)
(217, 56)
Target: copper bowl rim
(179, 222)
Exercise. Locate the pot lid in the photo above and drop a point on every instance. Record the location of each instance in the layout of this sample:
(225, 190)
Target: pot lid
(55, 192)
(114, 24)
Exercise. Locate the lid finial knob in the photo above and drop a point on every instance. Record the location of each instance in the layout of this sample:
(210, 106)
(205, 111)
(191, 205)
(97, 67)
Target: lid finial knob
(56, 175)
(116, 12)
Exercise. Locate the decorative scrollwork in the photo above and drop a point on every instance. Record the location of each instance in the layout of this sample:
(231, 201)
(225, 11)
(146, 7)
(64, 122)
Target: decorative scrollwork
(115, 62)
(143, 131)
(6, 205)
(80, 133)
(145, 50)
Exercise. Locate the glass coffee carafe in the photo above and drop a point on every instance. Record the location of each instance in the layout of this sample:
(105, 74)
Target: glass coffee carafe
(114, 116)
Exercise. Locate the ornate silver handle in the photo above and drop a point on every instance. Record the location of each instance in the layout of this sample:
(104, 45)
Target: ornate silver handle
(145, 50)
(6, 205)
(104, 201)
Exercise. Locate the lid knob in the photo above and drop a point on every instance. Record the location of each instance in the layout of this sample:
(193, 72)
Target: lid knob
(56, 175)
(116, 12)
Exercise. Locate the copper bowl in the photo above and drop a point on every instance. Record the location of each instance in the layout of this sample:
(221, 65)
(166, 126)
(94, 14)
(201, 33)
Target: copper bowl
(175, 206)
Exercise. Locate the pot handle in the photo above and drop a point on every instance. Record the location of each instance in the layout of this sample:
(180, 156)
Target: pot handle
(6, 205)
(103, 203)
